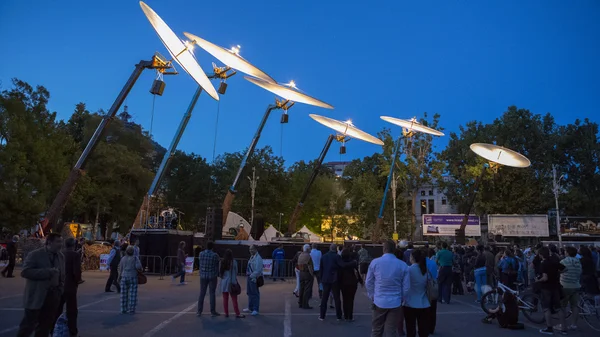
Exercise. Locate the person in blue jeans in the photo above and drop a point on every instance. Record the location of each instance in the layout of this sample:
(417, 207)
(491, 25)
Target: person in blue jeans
(254, 272)
(209, 269)
(480, 272)
(278, 263)
(444, 259)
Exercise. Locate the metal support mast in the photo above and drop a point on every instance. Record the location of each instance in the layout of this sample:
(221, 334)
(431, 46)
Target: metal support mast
(253, 183)
(53, 213)
(315, 172)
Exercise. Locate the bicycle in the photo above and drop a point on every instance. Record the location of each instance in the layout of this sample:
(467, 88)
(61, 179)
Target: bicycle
(528, 302)
(588, 310)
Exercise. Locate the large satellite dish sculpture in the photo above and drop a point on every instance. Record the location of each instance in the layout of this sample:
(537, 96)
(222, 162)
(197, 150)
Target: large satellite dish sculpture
(158, 62)
(409, 129)
(233, 61)
(344, 131)
(496, 156)
(289, 96)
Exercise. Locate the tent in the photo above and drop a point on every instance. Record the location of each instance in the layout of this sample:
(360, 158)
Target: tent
(311, 236)
(269, 234)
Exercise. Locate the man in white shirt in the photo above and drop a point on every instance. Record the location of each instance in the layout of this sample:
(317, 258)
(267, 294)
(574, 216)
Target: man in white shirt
(316, 255)
(387, 283)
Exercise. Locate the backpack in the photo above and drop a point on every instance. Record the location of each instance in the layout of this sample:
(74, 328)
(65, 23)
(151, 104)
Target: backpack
(511, 266)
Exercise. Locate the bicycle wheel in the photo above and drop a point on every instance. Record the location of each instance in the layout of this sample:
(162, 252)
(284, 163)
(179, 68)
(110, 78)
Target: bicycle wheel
(590, 313)
(535, 314)
(491, 300)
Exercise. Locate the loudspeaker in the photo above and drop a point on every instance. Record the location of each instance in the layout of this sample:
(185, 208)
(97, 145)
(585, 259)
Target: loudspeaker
(222, 88)
(158, 87)
(258, 227)
(214, 224)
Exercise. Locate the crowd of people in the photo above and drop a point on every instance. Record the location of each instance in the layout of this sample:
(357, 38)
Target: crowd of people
(405, 285)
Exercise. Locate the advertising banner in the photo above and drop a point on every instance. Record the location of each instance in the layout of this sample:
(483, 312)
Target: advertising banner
(447, 224)
(267, 267)
(103, 261)
(530, 225)
(189, 265)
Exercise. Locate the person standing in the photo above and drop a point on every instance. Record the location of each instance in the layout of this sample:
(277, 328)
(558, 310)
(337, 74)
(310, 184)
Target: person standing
(509, 269)
(128, 278)
(349, 280)
(490, 266)
(228, 273)
(44, 272)
(11, 250)
(255, 273)
(480, 272)
(181, 255)
(406, 255)
(432, 268)
(387, 284)
(569, 280)
(331, 263)
(72, 280)
(416, 303)
(136, 247)
(445, 259)
(114, 258)
(278, 263)
(363, 261)
(306, 268)
(589, 280)
(549, 284)
(316, 256)
(295, 264)
(209, 269)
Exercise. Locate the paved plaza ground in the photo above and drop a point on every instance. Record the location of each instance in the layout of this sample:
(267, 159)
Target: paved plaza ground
(169, 310)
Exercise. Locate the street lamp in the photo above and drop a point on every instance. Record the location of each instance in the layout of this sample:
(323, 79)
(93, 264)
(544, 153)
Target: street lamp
(280, 215)
(556, 189)
(253, 182)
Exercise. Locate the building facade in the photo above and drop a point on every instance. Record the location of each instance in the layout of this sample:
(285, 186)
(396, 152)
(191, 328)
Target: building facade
(337, 167)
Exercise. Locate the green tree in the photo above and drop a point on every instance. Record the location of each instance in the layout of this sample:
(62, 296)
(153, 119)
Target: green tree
(34, 152)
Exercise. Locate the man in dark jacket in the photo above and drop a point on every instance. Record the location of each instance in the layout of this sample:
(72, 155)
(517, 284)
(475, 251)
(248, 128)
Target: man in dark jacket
(113, 263)
(72, 280)
(44, 271)
(331, 263)
(11, 250)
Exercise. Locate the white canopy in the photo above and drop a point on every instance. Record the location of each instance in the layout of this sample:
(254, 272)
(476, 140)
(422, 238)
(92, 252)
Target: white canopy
(269, 234)
(312, 236)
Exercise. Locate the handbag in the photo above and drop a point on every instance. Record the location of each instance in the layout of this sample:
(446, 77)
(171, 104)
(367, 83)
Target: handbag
(260, 281)
(432, 288)
(141, 278)
(235, 289)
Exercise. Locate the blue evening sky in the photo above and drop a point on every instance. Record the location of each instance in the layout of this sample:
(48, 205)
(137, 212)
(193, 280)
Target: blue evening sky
(463, 59)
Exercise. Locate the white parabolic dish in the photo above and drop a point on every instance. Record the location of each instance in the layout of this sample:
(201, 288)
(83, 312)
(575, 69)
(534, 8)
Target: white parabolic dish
(500, 155)
(175, 47)
(288, 93)
(346, 129)
(229, 58)
(412, 125)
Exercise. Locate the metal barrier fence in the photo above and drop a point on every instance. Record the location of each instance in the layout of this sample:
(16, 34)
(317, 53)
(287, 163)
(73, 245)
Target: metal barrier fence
(283, 269)
(151, 264)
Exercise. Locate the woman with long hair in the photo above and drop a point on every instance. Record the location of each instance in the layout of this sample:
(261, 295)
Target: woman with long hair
(589, 282)
(128, 279)
(228, 274)
(348, 280)
(416, 304)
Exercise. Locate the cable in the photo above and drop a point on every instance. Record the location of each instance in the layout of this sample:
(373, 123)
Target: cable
(152, 116)
(216, 129)
(281, 142)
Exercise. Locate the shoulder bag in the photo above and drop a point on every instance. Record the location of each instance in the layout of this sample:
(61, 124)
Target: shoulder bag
(432, 288)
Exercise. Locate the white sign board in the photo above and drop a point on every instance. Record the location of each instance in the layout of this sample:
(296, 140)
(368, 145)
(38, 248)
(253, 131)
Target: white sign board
(189, 265)
(103, 261)
(267, 267)
(533, 225)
